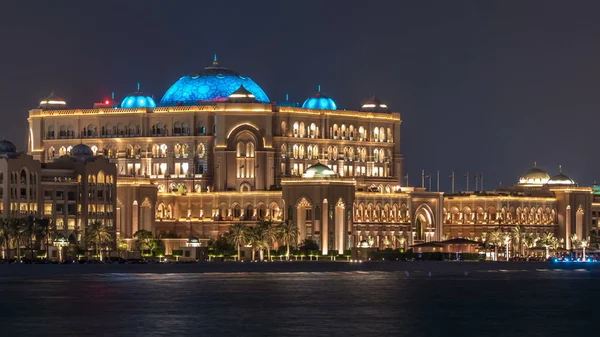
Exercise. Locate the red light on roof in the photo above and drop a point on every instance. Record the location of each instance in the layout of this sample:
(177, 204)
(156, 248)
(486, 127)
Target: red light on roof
(106, 102)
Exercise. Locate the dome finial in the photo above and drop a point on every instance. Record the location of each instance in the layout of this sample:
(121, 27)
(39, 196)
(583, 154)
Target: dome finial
(138, 86)
(287, 97)
(559, 168)
(319, 88)
(534, 164)
(215, 60)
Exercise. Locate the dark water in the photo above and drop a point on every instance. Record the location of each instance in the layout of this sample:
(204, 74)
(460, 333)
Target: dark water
(291, 301)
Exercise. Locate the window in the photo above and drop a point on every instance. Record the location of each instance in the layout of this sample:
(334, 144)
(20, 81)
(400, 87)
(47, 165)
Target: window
(71, 195)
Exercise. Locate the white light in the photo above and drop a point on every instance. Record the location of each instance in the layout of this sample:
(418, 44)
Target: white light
(369, 106)
(53, 102)
(383, 106)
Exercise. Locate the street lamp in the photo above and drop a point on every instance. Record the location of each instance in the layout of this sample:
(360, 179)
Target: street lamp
(60, 242)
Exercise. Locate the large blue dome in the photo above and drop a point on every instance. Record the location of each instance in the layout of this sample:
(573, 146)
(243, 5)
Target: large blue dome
(213, 84)
(320, 101)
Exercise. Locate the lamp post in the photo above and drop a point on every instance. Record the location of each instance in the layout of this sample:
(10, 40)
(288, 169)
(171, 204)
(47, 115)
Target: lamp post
(60, 242)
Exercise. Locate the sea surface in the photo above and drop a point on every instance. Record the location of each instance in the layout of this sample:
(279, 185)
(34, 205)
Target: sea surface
(300, 299)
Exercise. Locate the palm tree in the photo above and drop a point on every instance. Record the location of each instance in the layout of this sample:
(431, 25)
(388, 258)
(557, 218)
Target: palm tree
(495, 238)
(584, 244)
(548, 240)
(97, 233)
(574, 241)
(507, 239)
(257, 240)
(46, 230)
(271, 234)
(238, 236)
(518, 236)
(29, 231)
(288, 233)
(5, 235)
(143, 239)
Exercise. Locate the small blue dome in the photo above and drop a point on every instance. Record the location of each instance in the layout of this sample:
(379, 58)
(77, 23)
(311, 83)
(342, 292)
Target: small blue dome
(213, 84)
(138, 100)
(321, 102)
(7, 147)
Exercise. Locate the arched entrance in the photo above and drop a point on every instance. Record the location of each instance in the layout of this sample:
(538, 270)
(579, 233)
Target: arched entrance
(423, 224)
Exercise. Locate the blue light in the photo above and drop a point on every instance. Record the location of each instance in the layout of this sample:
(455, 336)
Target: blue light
(214, 84)
(320, 102)
(138, 100)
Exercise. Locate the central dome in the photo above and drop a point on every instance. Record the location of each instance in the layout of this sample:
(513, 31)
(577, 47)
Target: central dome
(319, 170)
(213, 84)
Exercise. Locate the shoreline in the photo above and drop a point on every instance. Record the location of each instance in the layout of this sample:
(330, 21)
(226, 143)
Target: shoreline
(434, 267)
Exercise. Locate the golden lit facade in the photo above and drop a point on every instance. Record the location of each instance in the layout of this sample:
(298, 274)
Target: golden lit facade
(216, 151)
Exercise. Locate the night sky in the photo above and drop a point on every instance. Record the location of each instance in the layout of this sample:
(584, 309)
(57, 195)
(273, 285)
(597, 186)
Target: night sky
(483, 86)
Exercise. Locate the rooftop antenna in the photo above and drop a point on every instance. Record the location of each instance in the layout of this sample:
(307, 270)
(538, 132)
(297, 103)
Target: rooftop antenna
(559, 168)
(534, 164)
(287, 97)
(319, 88)
(215, 60)
(112, 95)
(138, 86)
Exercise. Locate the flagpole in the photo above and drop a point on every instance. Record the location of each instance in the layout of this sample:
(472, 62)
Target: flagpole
(476, 182)
(422, 178)
(452, 182)
(438, 180)
(429, 177)
(467, 180)
(482, 189)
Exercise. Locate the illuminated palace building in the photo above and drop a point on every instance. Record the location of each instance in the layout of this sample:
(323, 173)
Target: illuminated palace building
(216, 151)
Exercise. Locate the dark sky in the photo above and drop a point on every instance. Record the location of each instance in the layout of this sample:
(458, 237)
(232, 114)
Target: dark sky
(483, 86)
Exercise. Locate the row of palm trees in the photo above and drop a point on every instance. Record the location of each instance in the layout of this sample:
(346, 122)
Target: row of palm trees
(518, 240)
(262, 237)
(30, 232)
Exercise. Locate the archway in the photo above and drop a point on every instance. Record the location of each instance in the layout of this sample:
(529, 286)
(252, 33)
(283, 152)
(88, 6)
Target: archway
(423, 224)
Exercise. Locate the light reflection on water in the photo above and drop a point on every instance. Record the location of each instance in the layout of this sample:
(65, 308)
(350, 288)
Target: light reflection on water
(349, 303)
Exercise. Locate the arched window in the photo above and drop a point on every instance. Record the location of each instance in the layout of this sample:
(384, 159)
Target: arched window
(201, 151)
(376, 134)
(185, 129)
(296, 129)
(62, 151)
(335, 153)
(163, 150)
(50, 133)
(51, 152)
(343, 131)
(250, 150)
(184, 150)
(315, 152)
(295, 151)
(177, 128)
(63, 132)
(314, 133)
(177, 150)
(283, 128)
(240, 149)
(361, 133)
(381, 134)
(131, 130)
(94, 149)
(351, 132)
(302, 130)
(310, 152)
(335, 131)
(70, 132)
(301, 151)
(283, 150)
(390, 135)
(91, 131)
